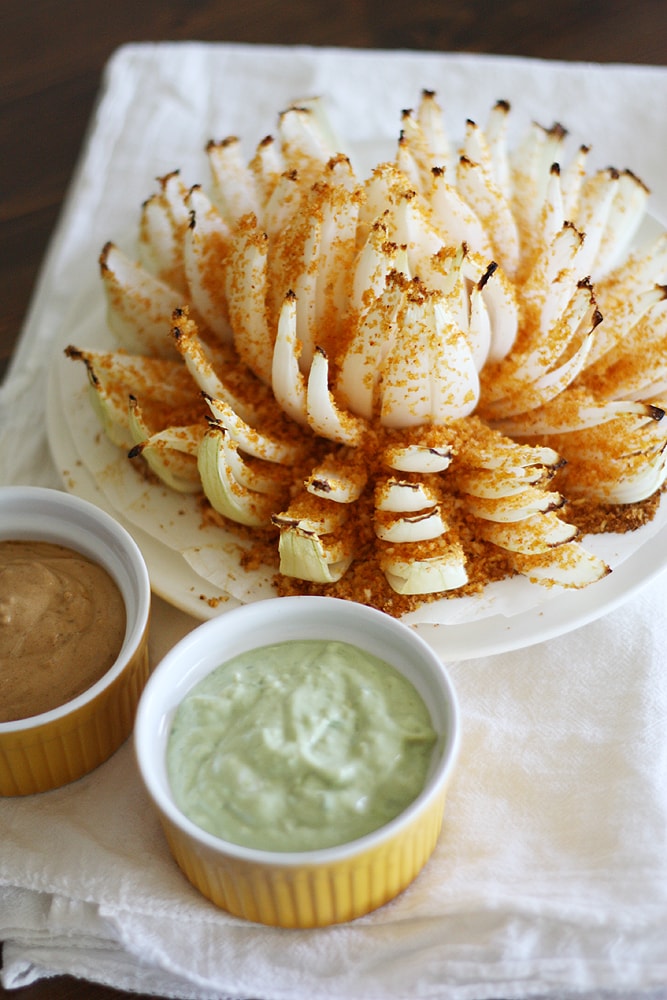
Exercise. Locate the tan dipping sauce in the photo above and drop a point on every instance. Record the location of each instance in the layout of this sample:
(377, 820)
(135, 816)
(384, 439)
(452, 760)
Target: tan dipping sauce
(62, 624)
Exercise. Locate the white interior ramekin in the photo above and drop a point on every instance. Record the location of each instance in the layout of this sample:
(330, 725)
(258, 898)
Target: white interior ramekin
(50, 749)
(314, 888)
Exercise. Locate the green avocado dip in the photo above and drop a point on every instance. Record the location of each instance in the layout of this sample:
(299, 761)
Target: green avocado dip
(299, 746)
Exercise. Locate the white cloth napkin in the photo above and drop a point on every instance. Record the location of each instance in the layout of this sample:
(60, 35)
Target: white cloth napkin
(551, 873)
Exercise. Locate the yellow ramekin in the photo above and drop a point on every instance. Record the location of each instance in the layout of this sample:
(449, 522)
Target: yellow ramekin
(308, 888)
(51, 749)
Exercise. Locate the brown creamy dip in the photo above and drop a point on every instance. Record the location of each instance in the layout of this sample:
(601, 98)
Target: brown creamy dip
(62, 624)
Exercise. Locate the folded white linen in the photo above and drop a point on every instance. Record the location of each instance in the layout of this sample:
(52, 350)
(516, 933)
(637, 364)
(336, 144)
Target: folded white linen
(551, 873)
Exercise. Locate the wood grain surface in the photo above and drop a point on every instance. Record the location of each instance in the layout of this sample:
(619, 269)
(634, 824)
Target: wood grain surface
(54, 51)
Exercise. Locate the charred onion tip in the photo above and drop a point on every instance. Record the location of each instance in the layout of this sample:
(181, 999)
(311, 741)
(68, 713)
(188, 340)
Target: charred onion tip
(555, 169)
(337, 158)
(630, 173)
(135, 451)
(570, 225)
(106, 250)
(488, 274)
(77, 355)
(165, 178)
(655, 412)
(192, 219)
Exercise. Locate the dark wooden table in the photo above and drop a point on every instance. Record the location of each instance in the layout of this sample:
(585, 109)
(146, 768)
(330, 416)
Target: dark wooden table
(53, 52)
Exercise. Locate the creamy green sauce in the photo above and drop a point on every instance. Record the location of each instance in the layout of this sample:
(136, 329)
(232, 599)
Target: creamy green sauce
(299, 746)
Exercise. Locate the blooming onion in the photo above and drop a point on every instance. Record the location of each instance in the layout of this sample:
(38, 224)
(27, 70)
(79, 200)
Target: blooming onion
(440, 354)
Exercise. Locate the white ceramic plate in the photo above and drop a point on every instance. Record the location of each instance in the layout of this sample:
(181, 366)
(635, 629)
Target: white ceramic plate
(196, 568)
